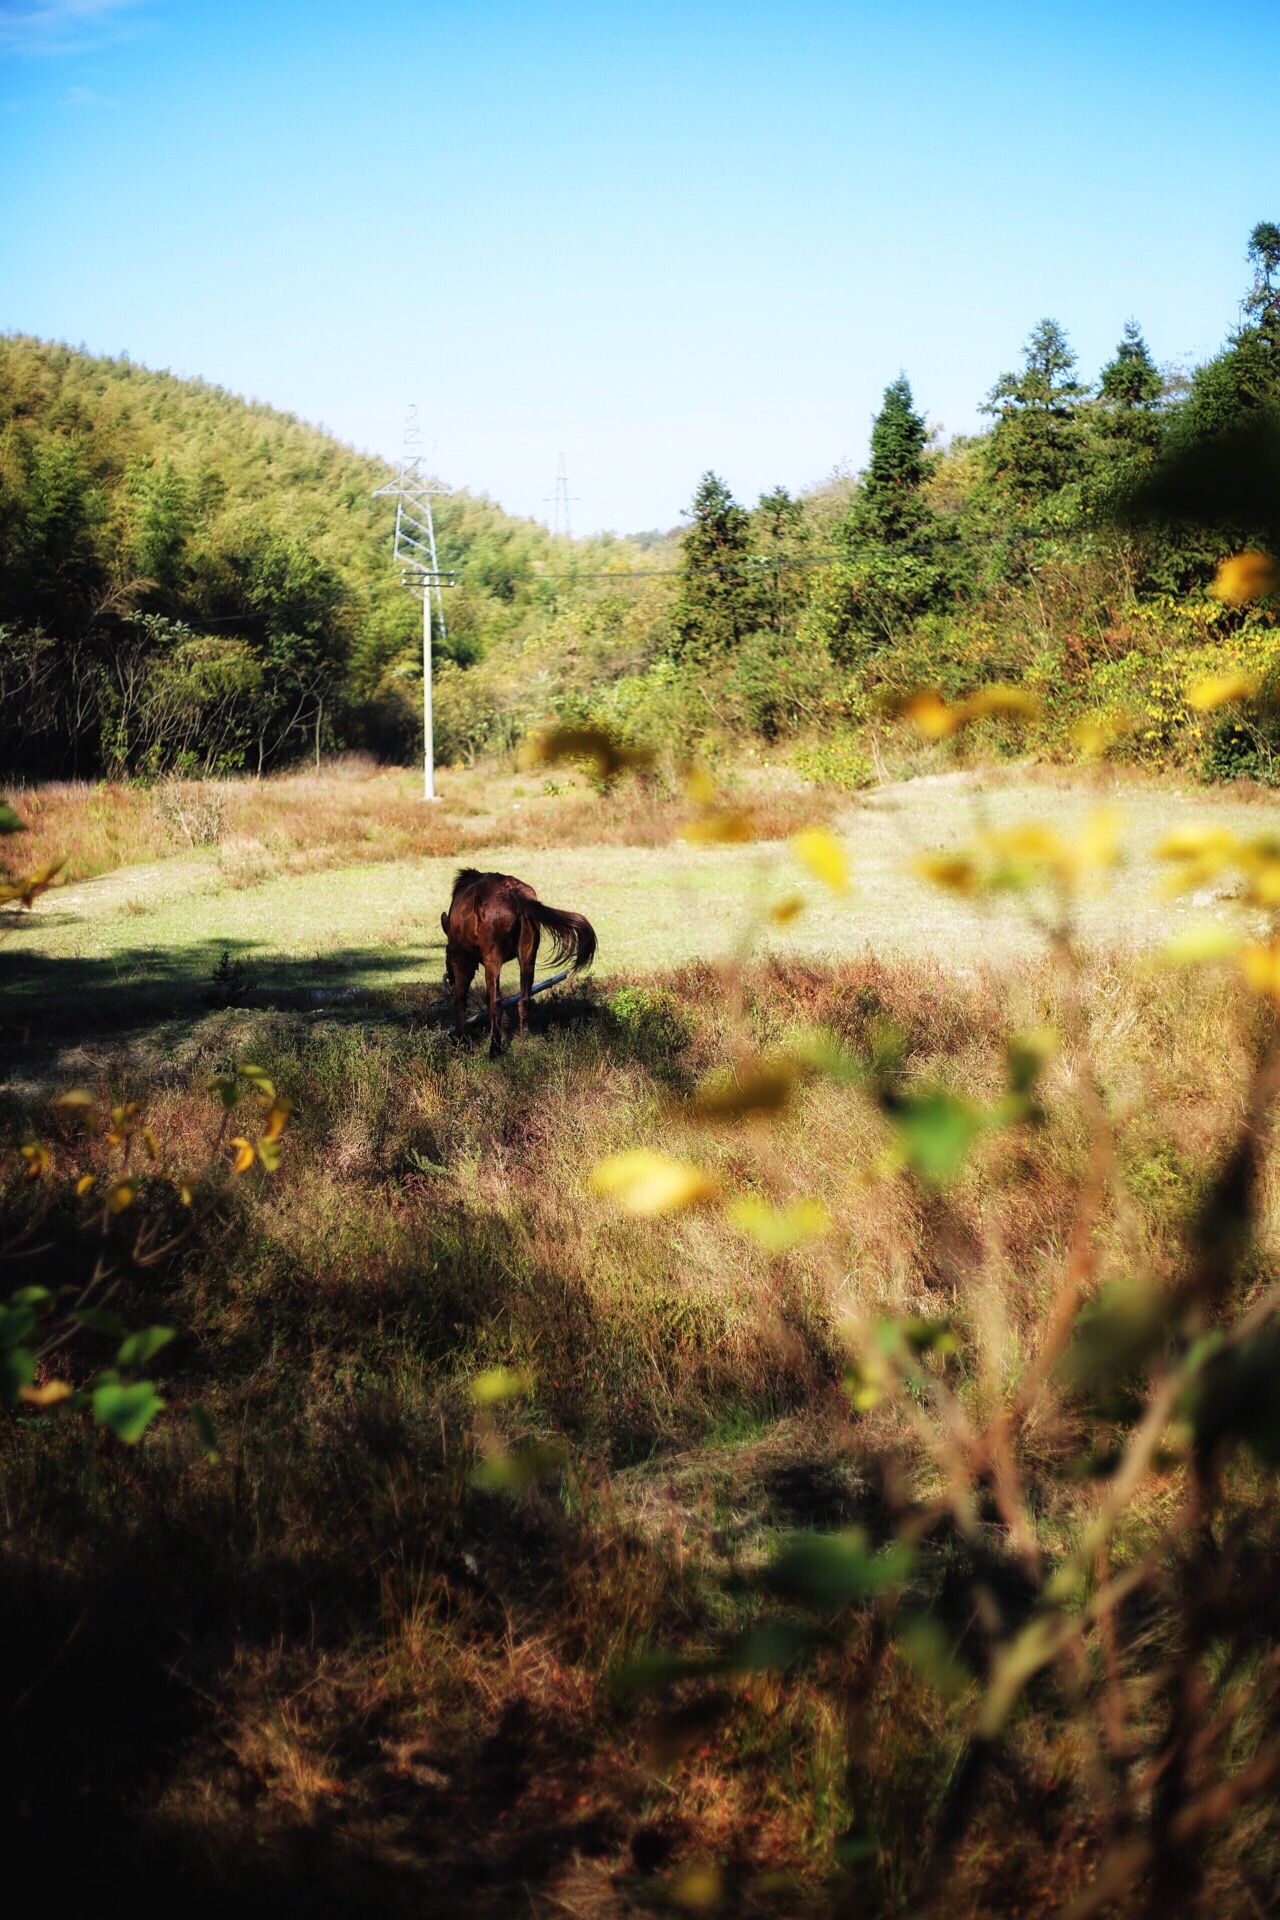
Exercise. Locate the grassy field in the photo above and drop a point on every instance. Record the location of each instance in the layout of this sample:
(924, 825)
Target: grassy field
(363, 1660)
(144, 941)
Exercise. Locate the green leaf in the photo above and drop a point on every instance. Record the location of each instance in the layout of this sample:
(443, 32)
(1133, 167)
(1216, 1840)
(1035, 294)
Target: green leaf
(836, 1569)
(9, 820)
(770, 1648)
(15, 1324)
(127, 1411)
(99, 1320)
(936, 1129)
(138, 1348)
(227, 1087)
(509, 1472)
(17, 1370)
(206, 1432)
(1123, 1327)
(258, 1079)
(929, 1648)
(30, 1297)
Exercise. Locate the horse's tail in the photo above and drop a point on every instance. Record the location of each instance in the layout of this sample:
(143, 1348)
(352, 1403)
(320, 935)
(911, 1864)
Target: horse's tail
(573, 934)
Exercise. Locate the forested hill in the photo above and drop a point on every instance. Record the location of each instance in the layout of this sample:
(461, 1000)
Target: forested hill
(190, 582)
(190, 578)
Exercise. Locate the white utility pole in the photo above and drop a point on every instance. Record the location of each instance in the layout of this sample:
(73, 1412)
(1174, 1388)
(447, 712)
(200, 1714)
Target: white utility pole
(414, 554)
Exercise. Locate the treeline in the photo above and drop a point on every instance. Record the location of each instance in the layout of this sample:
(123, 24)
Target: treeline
(191, 581)
(1036, 551)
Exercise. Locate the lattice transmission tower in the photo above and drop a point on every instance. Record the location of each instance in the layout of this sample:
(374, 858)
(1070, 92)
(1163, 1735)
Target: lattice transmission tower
(559, 501)
(414, 555)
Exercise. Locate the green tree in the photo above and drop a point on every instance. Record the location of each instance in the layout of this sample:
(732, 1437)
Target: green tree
(1131, 382)
(1035, 448)
(890, 505)
(1262, 303)
(716, 600)
(889, 540)
(781, 536)
(160, 524)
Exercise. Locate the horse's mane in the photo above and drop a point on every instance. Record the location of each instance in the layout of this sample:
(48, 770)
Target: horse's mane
(463, 878)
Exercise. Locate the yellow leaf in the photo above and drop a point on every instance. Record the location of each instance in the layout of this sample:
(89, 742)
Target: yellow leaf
(47, 1395)
(989, 700)
(77, 1100)
(754, 1086)
(122, 1195)
(1261, 968)
(723, 826)
(1260, 859)
(954, 871)
(650, 1183)
(1198, 843)
(929, 714)
(1099, 845)
(278, 1117)
(1096, 732)
(607, 755)
(825, 858)
(699, 786)
(1200, 946)
(1028, 842)
(784, 911)
(244, 1154)
(777, 1229)
(186, 1192)
(1245, 576)
(86, 1181)
(258, 1078)
(37, 1159)
(697, 1888)
(500, 1383)
(25, 891)
(1221, 690)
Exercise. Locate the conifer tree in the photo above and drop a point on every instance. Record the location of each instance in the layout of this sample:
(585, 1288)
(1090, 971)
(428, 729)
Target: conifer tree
(1035, 448)
(716, 599)
(889, 502)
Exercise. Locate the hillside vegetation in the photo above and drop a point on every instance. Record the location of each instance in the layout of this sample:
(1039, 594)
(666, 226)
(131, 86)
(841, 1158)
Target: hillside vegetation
(192, 582)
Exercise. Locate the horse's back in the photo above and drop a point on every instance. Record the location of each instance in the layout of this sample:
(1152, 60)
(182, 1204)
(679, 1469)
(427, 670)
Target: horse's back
(487, 904)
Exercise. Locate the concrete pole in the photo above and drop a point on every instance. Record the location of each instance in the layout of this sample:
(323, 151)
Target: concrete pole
(428, 737)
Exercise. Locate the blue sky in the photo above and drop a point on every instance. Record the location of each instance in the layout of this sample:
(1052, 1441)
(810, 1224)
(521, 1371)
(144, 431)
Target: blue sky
(654, 237)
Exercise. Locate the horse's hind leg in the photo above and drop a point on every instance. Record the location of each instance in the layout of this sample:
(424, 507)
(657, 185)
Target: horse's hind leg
(529, 936)
(492, 978)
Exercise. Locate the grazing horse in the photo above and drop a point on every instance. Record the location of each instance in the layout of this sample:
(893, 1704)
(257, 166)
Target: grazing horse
(493, 918)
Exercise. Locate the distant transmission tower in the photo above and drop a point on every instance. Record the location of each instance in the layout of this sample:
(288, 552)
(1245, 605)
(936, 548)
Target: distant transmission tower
(415, 556)
(561, 498)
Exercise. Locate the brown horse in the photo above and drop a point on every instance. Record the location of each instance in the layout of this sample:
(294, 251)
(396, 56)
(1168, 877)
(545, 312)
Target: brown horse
(493, 918)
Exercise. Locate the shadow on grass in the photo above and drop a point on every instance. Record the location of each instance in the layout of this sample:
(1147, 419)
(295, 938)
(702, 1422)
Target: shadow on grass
(70, 1000)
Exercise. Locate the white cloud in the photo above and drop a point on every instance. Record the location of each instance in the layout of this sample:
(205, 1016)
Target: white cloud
(60, 26)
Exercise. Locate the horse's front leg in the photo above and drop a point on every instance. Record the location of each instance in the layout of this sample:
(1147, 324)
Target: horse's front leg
(492, 978)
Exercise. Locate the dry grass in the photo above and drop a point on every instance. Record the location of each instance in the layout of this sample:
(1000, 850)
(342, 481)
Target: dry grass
(353, 811)
(341, 1652)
